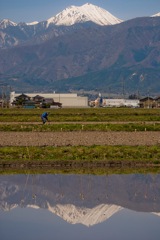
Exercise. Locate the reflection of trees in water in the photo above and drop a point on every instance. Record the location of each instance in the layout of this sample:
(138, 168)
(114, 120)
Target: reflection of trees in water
(60, 196)
(85, 186)
(24, 191)
(30, 189)
(106, 183)
(89, 186)
(81, 193)
(34, 195)
(147, 187)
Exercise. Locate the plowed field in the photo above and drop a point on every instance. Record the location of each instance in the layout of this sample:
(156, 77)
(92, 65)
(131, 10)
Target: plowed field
(78, 138)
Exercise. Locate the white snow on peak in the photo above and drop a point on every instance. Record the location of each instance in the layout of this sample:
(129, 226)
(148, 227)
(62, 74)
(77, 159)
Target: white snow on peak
(85, 216)
(157, 214)
(32, 23)
(33, 206)
(6, 22)
(156, 15)
(7, 207)
(84, 13)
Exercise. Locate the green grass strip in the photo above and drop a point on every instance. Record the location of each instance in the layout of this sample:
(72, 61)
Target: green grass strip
(123, 154)
(77, 114)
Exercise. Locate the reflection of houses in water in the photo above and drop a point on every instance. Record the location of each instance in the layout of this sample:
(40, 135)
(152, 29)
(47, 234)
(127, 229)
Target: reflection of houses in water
(87, 199)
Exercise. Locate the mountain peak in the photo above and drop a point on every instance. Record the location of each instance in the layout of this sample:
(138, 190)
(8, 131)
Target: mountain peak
(156, 15)
(84, 13)
(6, 23)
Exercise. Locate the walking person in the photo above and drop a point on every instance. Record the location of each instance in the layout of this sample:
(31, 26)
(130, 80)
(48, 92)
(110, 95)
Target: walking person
(44, 117)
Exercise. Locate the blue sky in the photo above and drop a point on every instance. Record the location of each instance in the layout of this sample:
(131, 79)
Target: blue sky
(39, 10)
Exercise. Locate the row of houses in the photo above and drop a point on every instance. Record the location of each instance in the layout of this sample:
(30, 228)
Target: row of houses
(37, 101)
(58, 100)
(45, 100)
(147, 102)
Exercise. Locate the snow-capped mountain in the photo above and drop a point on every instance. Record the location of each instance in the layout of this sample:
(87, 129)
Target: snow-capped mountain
(85, 216)
(73, 15)
(156, 15)
(6, 23)
(36, 32)
(63, 52)
(85, 13)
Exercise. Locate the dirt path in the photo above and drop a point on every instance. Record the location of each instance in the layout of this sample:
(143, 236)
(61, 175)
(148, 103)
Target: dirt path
(78, 138)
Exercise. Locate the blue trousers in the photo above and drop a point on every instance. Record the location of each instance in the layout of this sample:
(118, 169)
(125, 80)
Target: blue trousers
(43, 120)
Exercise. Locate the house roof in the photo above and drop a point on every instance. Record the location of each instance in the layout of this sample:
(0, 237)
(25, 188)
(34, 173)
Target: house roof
(48, 100)
(38, 96)
(146, 99)
(157, 98)
(22, 95)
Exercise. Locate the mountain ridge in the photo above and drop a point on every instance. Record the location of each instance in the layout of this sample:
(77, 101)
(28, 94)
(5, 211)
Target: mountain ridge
(84, 13)
(76, 14)
(45, 55)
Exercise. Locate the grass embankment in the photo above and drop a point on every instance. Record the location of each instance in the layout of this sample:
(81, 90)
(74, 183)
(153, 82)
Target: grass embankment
(81, 158)
(81, 155)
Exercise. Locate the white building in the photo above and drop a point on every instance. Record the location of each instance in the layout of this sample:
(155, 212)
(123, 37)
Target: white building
(120, 102)
(67, 99)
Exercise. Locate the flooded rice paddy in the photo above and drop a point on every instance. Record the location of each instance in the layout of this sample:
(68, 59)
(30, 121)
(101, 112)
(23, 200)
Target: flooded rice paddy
(57, 206)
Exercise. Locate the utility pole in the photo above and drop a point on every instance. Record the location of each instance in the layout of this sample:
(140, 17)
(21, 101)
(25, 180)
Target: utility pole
(148, 98)
(4, 88)
(123, 88)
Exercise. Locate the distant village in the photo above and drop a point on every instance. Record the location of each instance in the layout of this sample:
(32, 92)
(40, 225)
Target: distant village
(59, 100)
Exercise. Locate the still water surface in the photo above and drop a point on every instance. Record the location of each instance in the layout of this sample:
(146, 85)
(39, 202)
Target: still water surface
(109, 207)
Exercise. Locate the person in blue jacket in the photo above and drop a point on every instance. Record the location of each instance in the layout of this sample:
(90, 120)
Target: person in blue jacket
(44, 117)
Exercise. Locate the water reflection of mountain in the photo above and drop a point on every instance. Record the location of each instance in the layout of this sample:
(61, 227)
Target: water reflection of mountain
(77, 195)
(83, 215)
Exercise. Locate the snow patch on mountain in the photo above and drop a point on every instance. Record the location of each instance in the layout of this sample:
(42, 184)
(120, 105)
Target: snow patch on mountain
(156, 15)
(32, 23)
(84, 13)
(85, 216)
(4, 206)
(6, 23)
(33, 206)
(157, 214)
